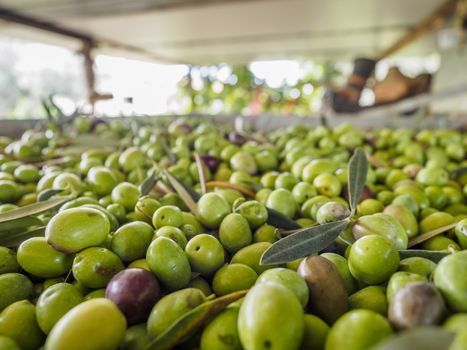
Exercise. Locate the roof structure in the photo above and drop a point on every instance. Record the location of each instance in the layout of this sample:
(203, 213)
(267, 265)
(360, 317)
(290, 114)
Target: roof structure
(232, 31)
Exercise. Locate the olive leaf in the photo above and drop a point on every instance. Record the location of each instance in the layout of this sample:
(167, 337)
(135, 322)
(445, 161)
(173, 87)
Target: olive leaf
(16, 239)
(430, 234)
(201, 172)
(422, 338)
(224, 184)
(303, 243)
(192, 321)
(172, 157)
(33, 209)
(278, 219)
(148, 183)
(433, 255)
(182, 190)
(358, 170)
(11, 226)
(49, 193)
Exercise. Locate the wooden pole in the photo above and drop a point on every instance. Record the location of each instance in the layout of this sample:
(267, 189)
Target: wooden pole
(427, 25)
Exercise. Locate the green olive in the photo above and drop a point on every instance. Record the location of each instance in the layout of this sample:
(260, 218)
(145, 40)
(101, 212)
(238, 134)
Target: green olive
(373, 259)
(93, 324)
(18, 321)
(370, 298)
(358, 329)
(38, 258)
(74, 229)
(234, 232)
(169, 263)
(94, 267)
(54, 303)
(131, 241)
(212, 208)
(233, 277)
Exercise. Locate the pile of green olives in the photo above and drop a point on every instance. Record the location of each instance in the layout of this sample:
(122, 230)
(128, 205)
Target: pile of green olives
(118, 265)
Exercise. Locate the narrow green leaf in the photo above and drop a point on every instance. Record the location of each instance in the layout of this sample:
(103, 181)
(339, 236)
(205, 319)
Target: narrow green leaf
(33, 209)
(201, 172)
(430, 234)
(18, 224)
(182, 191)
(148, 183)
(358, 170)
(189, 323)
(278, 219)
(168, 151)
(16, 239)
(47, 194)
(303, 243)
(422, 338)
(433, 255)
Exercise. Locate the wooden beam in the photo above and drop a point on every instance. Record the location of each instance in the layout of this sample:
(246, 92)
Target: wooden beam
(15, 17)
(427, 25)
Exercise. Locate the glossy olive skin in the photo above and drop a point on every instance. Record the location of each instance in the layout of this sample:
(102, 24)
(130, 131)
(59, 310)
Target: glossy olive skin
(332, 211)
(251, 256)
(18, 321)
(461, 233)
(417, 304)
(358, 329)
(171, 307)
(327, 292)
(316, 331)
(282, 201)
(6, 343)
(271, 317)
(212, 208)
(417, 265)
(222, 333)
(289, 279)
(136, 337)
(38, 258)
(54, 303)
(381, 224)
(94, 267)
(254, 212)
(205, 253)
(74, 229)
(343, 267)
(373, 259)
(233, 277)
(131, 241)
(174, 233)
(234, 232)
(101, 180)
(8, 261)
(168, 215)
(370, 298)
(400, 279)
(450, 279)
(405, 217)
(126, 194)
(134, 291)
(93, 324)
(169, 263)
(14, 287)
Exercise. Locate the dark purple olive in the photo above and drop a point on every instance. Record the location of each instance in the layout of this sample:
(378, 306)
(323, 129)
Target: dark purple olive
(211, 162)
(416, 304)
(237, 138)
(134, 291)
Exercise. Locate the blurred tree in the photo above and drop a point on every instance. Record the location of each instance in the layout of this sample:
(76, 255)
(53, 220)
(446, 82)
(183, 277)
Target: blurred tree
(207, 90)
